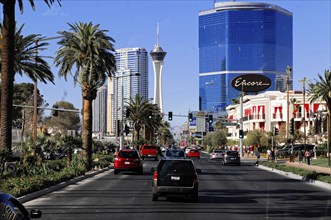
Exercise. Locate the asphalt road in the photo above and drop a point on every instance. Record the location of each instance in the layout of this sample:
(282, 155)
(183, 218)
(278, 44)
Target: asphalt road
(230, 192)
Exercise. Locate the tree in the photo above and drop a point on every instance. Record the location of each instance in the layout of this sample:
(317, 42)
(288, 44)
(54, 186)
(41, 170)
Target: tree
(23, 116)
(89, 51)
(139, 111)
(65, 120)
(24, 62)
(8, 68)
(321, 89)
(153, 122)
(256, 138)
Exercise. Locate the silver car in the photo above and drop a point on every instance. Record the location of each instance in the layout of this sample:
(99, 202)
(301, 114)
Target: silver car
(216, 155)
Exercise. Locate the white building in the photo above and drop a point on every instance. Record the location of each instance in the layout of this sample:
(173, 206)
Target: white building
(130, 79)
(268, 110)
(99, 112)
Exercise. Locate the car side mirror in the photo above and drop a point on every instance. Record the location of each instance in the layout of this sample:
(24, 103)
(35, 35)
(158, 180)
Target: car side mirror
(198, 171)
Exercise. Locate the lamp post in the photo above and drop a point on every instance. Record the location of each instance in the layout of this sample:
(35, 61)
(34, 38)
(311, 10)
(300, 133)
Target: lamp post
(121, 135)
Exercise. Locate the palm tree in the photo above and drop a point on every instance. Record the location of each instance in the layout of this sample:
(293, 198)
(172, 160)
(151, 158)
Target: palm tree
(26, 62)
(139, 109)
(89, 51)
(8, 69)
(153, 122)
(321, 89)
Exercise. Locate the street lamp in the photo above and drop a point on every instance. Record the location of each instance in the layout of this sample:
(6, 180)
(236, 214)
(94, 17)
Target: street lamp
(122, 107)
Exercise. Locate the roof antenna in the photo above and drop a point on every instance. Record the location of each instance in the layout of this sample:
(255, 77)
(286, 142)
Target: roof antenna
(157, 34)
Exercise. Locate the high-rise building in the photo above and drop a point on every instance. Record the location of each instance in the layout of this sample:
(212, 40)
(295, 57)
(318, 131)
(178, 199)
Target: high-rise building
(130, 79)
(99, 112)
(237, 38)
(158, 56)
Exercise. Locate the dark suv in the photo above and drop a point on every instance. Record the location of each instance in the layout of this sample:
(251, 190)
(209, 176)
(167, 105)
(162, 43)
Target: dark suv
(175, 177)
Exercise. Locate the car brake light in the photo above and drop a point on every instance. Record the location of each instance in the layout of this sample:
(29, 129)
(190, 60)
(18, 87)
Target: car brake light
(155, 175)
(116, 158)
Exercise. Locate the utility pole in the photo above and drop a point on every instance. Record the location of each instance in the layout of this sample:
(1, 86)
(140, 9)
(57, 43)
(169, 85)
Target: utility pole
(304, 112)
(288, 72)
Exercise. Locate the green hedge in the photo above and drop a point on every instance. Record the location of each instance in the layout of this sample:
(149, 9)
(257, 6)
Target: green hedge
(313, 175)
(19, 186)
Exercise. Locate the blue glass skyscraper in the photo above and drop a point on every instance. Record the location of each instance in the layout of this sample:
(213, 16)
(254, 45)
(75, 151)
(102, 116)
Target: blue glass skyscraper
(237, 38)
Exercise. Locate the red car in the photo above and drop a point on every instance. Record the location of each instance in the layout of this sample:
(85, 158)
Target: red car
(128, 160)
(193, 153)
(149, 151)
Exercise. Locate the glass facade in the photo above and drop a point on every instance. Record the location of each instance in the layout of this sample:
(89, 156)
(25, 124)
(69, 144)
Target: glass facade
(237, 38)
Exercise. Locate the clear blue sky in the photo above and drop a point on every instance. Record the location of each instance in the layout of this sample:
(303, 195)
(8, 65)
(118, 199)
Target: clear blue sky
(133, 23)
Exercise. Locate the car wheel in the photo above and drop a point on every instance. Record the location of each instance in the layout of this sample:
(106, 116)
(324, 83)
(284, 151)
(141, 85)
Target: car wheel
(140, 172)
(154, 197)
(238, 164)
(116, 172)
(155, 158)
(142, 158)
(195, 196)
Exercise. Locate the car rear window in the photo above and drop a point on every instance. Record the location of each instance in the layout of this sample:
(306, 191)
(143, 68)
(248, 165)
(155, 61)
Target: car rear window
(175, 153)
(179, 166)
(218, 151)
(128, 154)
(232, 153)
(149, 147)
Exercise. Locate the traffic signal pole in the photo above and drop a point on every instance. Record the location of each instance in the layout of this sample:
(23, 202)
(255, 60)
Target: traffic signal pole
(241, 124)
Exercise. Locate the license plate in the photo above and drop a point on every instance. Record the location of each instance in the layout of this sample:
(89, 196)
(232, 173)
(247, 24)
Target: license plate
(126, 162)
(175, 178)
(232, 158)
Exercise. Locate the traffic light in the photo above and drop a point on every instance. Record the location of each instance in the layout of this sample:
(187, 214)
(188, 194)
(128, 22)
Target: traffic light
(170, 116)
(276, 131)
(190, 117)
(127, 113)
(55, 111)
(210, 119)
(127, 129)
(292, 126)
(241, 133)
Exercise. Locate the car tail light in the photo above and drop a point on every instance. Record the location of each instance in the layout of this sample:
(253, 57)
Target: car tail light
(155, 175)
(116, 158)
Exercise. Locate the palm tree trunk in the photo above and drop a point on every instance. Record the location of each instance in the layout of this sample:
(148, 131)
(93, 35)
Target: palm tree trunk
(329, 136)
(7, 75)
(87, 133)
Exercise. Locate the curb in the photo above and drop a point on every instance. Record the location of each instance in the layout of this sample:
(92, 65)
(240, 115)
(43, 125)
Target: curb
(48, 190)
(317, 183)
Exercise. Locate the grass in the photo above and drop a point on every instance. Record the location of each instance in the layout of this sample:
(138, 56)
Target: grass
(323, 162)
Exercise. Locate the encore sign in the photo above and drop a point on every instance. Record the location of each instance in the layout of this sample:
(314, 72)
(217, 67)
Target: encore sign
(251, 83)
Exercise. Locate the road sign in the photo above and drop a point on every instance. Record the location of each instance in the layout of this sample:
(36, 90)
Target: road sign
(229, 124)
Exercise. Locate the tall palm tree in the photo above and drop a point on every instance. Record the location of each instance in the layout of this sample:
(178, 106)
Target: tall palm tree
(321, 89)
(7, 68)
(153, 122)
(26, 62)
(139, 109)
(90, 52)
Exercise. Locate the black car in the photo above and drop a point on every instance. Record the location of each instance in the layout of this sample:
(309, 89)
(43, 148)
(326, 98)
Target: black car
(175, 177)
(175, 153)
(230, 157)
